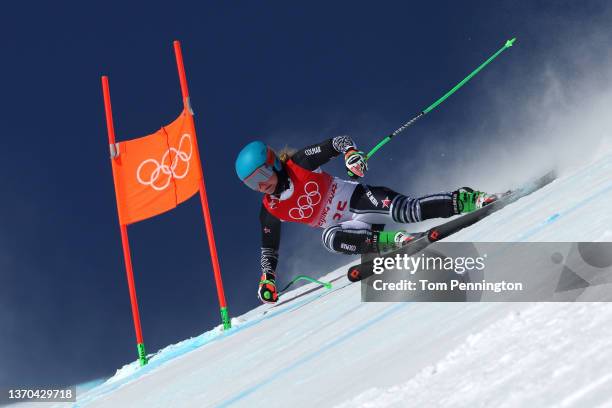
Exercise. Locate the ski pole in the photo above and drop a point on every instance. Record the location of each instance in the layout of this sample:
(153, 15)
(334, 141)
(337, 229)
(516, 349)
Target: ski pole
(327, 285)
(399, 130)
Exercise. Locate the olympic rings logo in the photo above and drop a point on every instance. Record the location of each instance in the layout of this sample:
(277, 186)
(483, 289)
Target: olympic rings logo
(306, 202)
(163, 167)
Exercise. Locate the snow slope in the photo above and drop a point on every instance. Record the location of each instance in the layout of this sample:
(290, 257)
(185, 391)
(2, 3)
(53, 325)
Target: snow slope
(327, 348)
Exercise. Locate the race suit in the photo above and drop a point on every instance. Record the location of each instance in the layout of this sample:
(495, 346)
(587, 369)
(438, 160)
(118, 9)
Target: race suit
(345, 209)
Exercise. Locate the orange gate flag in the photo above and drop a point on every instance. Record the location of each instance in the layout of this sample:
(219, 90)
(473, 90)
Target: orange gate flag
(155, 173)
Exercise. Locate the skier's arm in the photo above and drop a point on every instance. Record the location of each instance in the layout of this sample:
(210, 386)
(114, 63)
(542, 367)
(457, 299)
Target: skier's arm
(314, 156)
(270, 240)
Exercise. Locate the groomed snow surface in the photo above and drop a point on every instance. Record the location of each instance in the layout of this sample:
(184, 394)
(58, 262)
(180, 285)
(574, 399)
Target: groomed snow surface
(328, 349)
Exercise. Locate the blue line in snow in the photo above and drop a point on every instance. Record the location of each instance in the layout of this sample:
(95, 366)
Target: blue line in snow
(556, 216)
(189, 345)
(308, 357)
(552, 218)
(565, 185)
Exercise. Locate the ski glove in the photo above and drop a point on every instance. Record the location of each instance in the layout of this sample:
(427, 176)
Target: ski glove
(356, 163)
(267, 292)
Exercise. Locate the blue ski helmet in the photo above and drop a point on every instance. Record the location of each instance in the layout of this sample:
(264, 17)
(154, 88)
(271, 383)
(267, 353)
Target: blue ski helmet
(256, 163)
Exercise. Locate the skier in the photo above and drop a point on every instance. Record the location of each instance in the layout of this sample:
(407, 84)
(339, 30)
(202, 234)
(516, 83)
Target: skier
(296, 190)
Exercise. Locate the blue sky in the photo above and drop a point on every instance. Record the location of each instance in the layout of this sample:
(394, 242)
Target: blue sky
(283, 72)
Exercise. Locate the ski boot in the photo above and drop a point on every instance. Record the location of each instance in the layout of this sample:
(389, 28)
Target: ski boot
(466, 200)
(390, 240)
(267, 292)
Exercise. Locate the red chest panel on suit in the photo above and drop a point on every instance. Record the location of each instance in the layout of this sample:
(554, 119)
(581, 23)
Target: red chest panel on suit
(308, 199)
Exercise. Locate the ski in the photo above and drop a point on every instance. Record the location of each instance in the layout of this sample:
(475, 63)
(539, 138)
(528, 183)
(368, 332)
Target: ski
(364, 269)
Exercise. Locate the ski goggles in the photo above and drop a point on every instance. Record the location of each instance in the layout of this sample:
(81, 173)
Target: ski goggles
(264, 172)
(261, 174)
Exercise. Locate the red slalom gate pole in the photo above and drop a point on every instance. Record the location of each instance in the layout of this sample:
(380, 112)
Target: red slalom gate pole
(203, 196)
(142, 355)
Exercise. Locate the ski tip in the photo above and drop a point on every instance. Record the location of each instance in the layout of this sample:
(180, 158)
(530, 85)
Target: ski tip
(510, 42)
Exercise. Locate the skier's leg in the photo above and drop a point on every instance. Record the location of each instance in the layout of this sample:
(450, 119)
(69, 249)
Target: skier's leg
(357, 237)
(369, 203)
(378, 204)
(407, 209)
(350, 237)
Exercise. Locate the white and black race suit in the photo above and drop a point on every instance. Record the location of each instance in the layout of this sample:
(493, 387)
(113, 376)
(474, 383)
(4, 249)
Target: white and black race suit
(346, 210)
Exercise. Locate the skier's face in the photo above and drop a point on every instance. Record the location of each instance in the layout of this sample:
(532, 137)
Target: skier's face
(269, 185)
